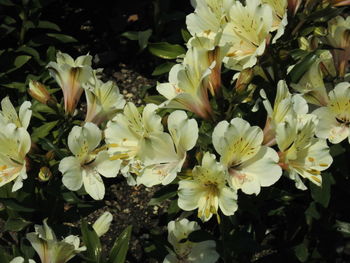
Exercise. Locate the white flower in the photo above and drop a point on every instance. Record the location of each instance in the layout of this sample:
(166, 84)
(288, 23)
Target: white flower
(188, 251)
(15, 144)
(209, 17)
(338, 37)
(247, 31)
(102, 224)
(133, 138)
(189, 83)
(249, 164)
(207, 190)
(183, 137)
(88, 163)
(49, 249)
(71, 75)
(311, 85)
(8, 114)
(280, 21)
(285, 105)
(301, 154)
(334, 123)
(103, 100)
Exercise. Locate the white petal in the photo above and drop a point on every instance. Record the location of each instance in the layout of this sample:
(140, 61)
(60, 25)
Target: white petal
(72, 174)
(105, 166)
(93, 184)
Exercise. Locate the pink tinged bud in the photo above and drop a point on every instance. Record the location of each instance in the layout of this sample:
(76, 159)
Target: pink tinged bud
(244, 79)
(38, 91)
(215, 76)
(293, 6)
(339, 2)
(72, 90)
(269, 134)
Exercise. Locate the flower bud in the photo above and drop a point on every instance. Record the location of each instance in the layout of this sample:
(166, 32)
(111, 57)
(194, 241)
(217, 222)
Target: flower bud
(293, 6)
(50, 155)
(244, 78)
(44, 174)
(338, 2)
(38, 91)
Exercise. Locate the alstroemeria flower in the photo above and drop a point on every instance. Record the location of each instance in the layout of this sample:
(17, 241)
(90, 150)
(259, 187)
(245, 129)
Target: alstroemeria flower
(51, 250)
(15, 144)
(339, 38)
(280, 21)
(208, 17)
(207, 190)
(189, 83)
(8, 114)
(247, 33)
(88, 163)
(131, 137)
(214, 54)
(301, 154)
(71, 75)
(188, 251)
(334, 123)
(285, 104)
(250, 165)
(183, 137)
(311, 85)
(103, 100)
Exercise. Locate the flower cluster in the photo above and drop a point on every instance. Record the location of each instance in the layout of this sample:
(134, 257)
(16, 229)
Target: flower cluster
(198, 138)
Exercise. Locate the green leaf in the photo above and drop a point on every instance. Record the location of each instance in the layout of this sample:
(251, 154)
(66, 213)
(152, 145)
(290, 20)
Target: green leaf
(4, 256)
(299, 69)
(163, 194)
(143, 37)
(16, 224)
(131, 35)
(322, 194)
(120, 247)
(29, 50)
(48, 25)
(185, 35)
(301, 252)
(15, 85)
(15, 206)
(312, 211)
(166, 50)
(62, 37)
(48, 145)
(343, 227)
(162, 68)
(19, 62)
(43, 130)
(6, 3)
(91, 241)
(156, 99)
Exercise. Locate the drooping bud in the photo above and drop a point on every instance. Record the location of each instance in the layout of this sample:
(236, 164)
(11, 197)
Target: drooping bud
(244, 78)
(293, 6)
(38, 91)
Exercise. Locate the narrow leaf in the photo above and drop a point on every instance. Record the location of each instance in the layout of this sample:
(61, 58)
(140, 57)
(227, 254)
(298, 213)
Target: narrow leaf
(120, 247)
